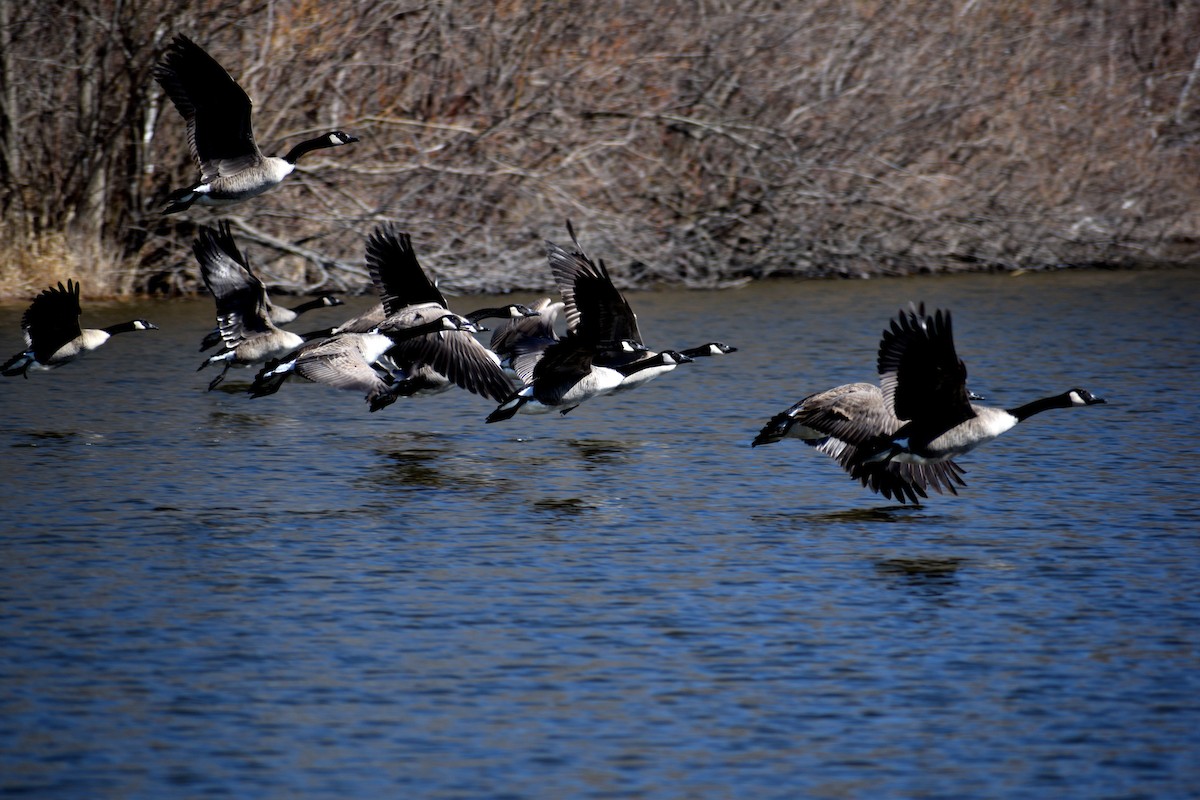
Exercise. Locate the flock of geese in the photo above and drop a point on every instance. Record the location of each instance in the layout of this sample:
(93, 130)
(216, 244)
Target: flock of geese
(898, 438)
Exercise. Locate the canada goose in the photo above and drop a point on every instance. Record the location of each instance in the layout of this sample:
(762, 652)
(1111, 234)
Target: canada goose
(219, 133)
(924, 381)
(242, 317)
(830, 420)
(279, 315)
(433, 362)
(52, 333)
(601, 353)
(567, 375)
(347, 361)
(618, 321)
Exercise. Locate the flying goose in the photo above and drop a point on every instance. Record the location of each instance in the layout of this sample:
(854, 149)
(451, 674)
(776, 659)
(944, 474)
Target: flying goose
(243, 318)
(924, 382)
(618, 320)
(829, 420)
(433, 362)
(591, 360)
(219, 133)
(348, 361)
(53, 336)
(279, 315)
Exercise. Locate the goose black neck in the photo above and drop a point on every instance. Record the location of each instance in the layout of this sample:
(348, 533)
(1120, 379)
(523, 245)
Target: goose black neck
(323, 333)
(307, 146)
(309, 305)
(1038, 406)
(124, 327)
(403, 334)
(634, 367)
(487, 313)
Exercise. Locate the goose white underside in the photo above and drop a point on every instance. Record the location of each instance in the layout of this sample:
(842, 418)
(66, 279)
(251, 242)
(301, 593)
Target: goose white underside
(229, 189)
(986, 425)
(86, 341)
(643, 376)
(600, 381)
(284, 368)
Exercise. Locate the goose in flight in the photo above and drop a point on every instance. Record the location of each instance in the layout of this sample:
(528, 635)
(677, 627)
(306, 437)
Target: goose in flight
(53, 336)
(433, 362)
(243, 310)
(601, 353)
(623, 340)
(220, 138)
(925, 383)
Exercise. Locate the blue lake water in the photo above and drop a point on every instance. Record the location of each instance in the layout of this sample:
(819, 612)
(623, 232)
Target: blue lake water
(205, 595)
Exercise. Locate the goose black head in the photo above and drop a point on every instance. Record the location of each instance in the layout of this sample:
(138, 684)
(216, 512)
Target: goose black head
(674, 357)
(1082, 397)
(454, 322)
(340, 137)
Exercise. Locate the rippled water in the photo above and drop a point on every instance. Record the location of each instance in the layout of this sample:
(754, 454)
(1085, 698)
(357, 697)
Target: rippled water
(208, 595)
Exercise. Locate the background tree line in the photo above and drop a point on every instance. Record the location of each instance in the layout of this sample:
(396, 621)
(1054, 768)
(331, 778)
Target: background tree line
(691, 141)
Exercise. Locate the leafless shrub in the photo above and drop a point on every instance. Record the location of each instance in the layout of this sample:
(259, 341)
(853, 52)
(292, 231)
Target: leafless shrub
(695, 143)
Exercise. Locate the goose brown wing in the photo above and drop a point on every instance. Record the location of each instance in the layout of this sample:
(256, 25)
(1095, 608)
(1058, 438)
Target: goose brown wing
(243, 315)
(243, 308)
(215, 108)
(904, 481)
(460, 357)
(525, 335)
(585, 284)
(52, 320)
(396, 273)
(338, 362)
(854, 413)
(920, 373)
(364, 322)
(525, 364)
(604, 317)
(225, 269)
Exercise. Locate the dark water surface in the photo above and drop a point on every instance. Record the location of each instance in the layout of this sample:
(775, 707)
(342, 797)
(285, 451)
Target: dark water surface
(205, 595)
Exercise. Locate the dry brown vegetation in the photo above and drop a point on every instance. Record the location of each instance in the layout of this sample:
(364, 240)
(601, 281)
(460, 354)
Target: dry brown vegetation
(691, 141)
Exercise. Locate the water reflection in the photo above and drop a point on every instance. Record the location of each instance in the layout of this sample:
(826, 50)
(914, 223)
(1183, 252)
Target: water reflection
(419, 467)
(52, 438)
(600, 452)
(921, 572)
(565, 506)
(887, 515)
